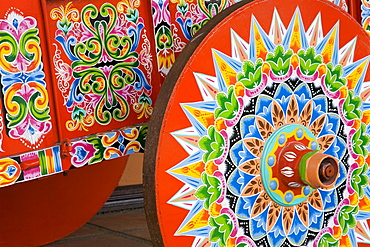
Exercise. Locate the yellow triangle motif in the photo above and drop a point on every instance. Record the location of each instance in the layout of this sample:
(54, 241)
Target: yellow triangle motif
(227, 72)
(295, 41)
(356, 74)
(199, 220)
(327, 52)
(192, 170)
(205, 118)
(261, 49)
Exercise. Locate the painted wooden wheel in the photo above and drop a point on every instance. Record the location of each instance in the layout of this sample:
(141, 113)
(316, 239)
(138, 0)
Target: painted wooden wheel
(260, 135)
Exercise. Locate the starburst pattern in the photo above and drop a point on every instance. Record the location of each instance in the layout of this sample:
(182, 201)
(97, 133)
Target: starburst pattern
(287, 77)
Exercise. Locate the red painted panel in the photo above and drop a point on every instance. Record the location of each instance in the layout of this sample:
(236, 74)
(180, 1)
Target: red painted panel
(27, 119)
(102, 64)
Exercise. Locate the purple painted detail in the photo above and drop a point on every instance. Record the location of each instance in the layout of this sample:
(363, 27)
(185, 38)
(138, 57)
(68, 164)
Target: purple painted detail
(82, 153)
(32, 173)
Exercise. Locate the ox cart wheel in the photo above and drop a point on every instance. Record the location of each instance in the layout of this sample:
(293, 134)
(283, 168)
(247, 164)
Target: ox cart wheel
(260, 134)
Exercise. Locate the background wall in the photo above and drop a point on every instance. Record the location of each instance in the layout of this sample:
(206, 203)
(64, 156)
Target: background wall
(133, 173)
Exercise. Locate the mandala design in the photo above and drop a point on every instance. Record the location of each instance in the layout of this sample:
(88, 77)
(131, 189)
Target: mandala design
(290, 85)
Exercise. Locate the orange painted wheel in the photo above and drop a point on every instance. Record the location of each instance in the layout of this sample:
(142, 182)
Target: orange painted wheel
(39, 212)
(257, 77)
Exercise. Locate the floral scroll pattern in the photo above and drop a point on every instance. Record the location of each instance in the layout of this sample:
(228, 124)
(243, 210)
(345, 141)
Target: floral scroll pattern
(26, 100)
(102, 80)
(177, 21)
(266, 85)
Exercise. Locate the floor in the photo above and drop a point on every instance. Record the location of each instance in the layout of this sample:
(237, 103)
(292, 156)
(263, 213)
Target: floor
(125, 228)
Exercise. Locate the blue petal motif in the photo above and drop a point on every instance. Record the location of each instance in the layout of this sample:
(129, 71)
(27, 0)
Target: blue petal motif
(319, 107)
(298, 231)
(248, 128)
(315, 218)
(142, 83)
(337, 148)
(73, 95)
(238, 180)
(134, 33)
(185, 26)
(264, 108)
(331, 125)
(283, 95)
(303, 96)
(240, 154)
(67, 44)
(276, 236)
(342, 174)
(244, 206)
(329, 199)
(258, 225)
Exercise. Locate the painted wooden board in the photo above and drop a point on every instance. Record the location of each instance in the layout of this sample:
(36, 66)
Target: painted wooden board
(256, 77)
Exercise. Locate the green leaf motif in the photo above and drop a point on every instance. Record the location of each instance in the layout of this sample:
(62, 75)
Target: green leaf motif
(360, 141)
(309, 61)
(333, 78)
(99, 147)
(210, 191)
(327, 240)
(352, 106)
(347, 218)
(251, 75)
(359, 179)
(228, 104)
(132, 15)
(213, 144)
(279, 60)
(222, 227)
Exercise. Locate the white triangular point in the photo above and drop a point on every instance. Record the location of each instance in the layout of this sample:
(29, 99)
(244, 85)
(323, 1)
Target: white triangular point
(314, 33)
(346, 53)
(239, 47)
(362, 232)
(208, 86)
(325, 42)
(188, 139)
(201, 242)
(291, 30)
(184, 198)
(277, 29)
